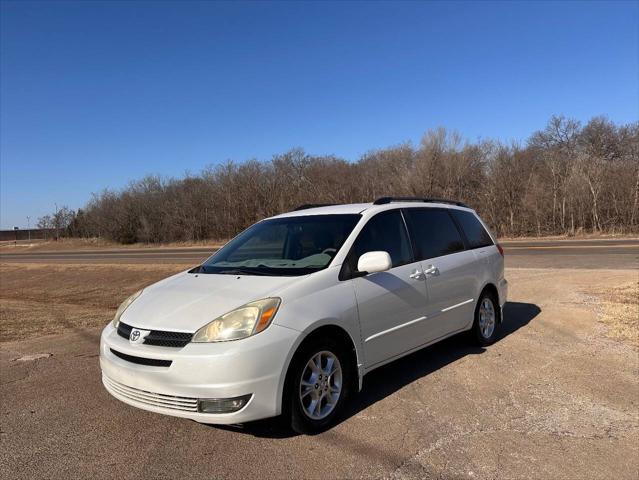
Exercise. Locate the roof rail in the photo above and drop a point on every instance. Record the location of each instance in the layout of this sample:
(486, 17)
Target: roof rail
(313, 205)
(385, 200)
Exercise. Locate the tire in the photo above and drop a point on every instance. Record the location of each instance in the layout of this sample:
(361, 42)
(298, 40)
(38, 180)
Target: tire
(487, 319)
(304, 385)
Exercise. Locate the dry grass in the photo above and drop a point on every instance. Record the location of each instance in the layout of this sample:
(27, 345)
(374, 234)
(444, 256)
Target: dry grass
(620, 311)
(51, 245)
(40, 299)
(80, 244)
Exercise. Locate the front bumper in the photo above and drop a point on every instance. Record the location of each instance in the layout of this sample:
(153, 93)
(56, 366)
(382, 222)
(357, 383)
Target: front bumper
(254, 366)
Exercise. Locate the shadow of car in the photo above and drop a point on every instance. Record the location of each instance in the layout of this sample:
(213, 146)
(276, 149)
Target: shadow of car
(388, 379)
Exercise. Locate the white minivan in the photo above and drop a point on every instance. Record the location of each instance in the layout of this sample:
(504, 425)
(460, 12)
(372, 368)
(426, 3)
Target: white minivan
(289, 316)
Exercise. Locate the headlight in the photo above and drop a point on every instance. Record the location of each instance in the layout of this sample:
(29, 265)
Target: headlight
(242, 322)
(123, 307)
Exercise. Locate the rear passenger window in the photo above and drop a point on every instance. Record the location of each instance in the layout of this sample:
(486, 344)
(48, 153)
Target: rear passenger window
(475, 232)
(433, 232)
(385, 232)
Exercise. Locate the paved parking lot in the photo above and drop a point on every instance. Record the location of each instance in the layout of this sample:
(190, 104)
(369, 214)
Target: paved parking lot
(554, 398)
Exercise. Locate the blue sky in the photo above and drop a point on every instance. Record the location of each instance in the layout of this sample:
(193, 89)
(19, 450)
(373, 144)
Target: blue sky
(94, 94)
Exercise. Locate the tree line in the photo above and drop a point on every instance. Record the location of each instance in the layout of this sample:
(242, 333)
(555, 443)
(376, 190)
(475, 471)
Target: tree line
(567, 179)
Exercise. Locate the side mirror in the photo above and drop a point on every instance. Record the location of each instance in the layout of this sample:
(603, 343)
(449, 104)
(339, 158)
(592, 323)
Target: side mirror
(372, 262)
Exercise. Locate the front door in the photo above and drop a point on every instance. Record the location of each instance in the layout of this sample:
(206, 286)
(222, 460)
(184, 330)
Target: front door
(391, 304)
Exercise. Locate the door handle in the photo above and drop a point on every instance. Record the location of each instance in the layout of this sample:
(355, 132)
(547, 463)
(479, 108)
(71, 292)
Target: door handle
(416, 275)
(431, 270)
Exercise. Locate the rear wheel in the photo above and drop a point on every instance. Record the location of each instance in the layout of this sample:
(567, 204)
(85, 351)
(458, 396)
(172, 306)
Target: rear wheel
(319, 385)
(486, 319)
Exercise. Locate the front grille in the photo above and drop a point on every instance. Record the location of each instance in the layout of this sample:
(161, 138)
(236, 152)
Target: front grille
(151, 362)
(172, 402)
(124, 330)
(168, 339)
(158, 337)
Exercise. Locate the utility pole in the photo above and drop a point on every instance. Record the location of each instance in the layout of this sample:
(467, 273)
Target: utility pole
(55, 220)
(29, 227)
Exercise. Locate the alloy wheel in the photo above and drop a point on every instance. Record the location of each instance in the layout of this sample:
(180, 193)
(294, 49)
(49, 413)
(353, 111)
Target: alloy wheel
(321, 385)
(487, 318)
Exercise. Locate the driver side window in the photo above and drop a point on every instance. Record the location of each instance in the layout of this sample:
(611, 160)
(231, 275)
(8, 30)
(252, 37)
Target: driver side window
(384, 232)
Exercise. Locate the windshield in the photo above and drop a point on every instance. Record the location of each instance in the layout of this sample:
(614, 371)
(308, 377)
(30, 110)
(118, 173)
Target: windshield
(283, 246)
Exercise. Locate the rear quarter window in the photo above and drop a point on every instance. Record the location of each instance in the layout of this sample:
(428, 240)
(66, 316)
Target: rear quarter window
(475, 233)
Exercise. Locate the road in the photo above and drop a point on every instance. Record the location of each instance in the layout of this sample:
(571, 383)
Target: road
(592, 254)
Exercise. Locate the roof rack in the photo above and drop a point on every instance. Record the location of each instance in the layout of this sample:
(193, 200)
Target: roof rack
(313, 205)
(385, 200)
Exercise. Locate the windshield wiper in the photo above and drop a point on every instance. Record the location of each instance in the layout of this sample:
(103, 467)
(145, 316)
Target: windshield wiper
(238, 271)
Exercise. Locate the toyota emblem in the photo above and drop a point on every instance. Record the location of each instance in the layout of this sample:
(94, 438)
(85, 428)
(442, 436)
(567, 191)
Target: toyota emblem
(135, 335)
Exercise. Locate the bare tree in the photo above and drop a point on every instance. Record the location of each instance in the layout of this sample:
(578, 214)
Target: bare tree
(566, 179)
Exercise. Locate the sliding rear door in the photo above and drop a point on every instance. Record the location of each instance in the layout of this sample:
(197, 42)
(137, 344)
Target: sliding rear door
(450, 270)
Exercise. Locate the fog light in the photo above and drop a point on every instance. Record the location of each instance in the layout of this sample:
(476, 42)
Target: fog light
(222, 405)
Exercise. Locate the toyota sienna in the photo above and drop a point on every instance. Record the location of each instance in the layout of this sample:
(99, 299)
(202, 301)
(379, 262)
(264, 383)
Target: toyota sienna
(288, 317)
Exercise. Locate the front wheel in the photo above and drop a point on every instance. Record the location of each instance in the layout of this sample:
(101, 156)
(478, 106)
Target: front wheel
(320, 382)
(487, 319)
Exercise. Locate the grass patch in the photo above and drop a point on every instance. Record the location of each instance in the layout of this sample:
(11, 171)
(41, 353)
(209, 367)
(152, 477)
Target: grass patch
(620, 311)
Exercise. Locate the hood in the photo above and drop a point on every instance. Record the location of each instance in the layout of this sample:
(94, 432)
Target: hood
(187, 302)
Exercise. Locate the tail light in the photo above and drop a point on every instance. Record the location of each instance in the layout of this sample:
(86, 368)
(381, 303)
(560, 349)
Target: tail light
(501, 250)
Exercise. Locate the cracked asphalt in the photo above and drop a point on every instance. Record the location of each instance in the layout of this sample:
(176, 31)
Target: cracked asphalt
(553, 398)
